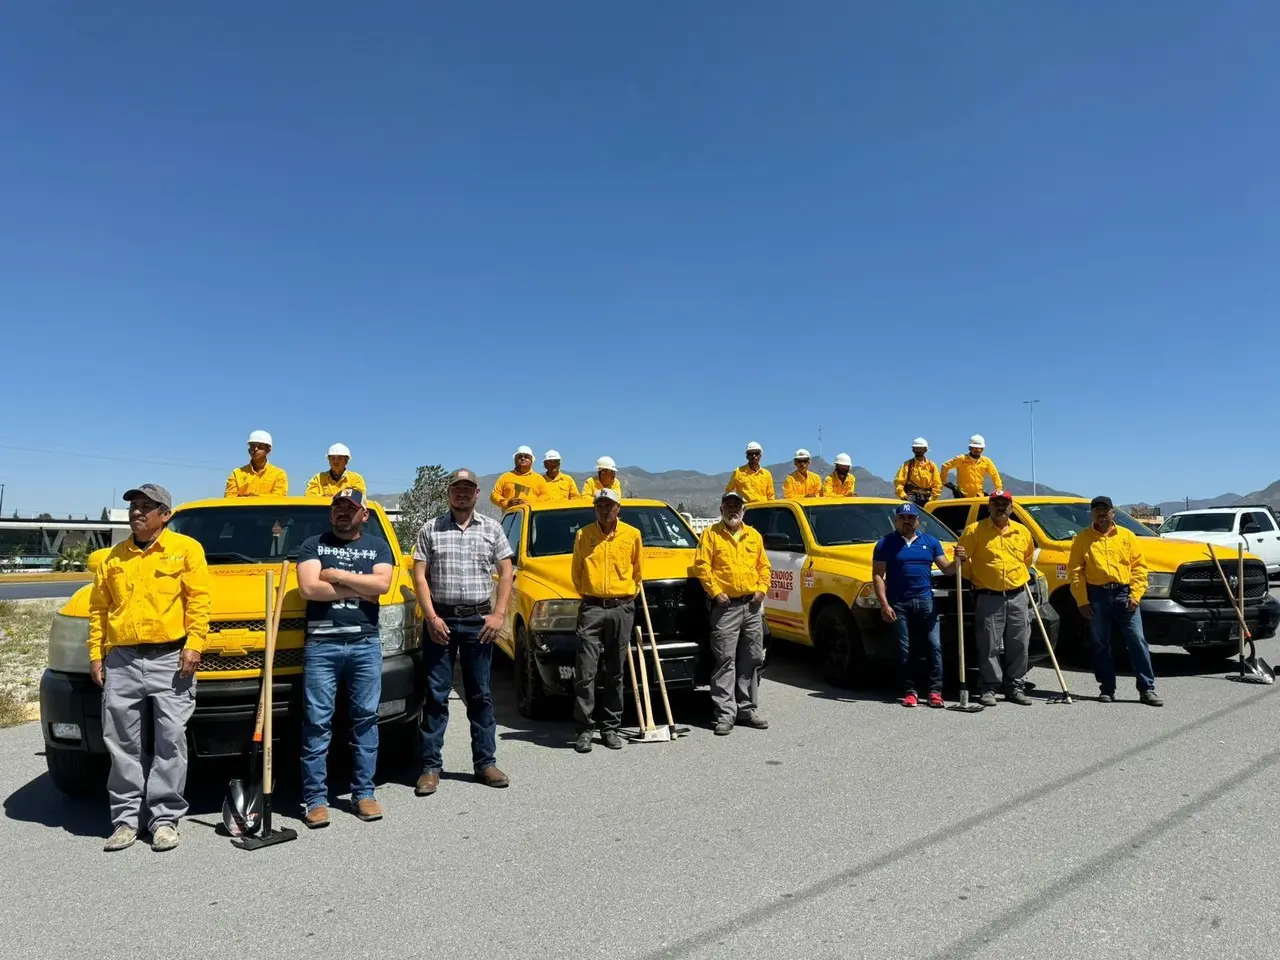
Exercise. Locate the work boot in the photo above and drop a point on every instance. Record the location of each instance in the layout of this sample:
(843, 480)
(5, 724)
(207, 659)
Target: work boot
(723, 728)
(368, 809)
(492, 777)
(121, 838)
(583, 743)
(611, 739)
(753, 720)
(1150, 699)
(164, 837)
(1017, 696)
(1105, 697)
(988, 699)
(427, 784)
(317, 817)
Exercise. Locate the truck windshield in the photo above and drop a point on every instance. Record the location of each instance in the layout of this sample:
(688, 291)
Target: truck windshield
(552, 532)
(846, 523)
(1062, 521)
(252, 534)
(1199, 523)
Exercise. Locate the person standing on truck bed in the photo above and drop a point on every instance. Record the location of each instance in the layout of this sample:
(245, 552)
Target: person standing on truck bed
(521, 485)
(1108, 578)
(918, 479)
(606, 573)
(257, 478)
(337, 477)
(734, 570)
(753, 481)
(903, 577)
(454, 562)
(606, 478)
(841, 481)
(971, 468)
(341, 575)
(148, 619)
(559, 486)
(802, 483)
(998, 552)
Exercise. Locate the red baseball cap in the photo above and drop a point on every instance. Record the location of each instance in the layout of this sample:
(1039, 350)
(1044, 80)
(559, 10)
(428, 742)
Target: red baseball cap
(1001, 495)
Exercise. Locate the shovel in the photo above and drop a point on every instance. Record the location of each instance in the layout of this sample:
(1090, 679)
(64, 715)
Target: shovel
(657, 665)
(648, 733)
(1252, 668)
(964, 706)
(1053, 657)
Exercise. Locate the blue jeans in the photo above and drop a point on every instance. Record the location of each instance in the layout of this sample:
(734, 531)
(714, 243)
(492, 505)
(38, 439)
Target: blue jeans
(917, 626)
(477, 668)
(356, 664)
(1110, 605)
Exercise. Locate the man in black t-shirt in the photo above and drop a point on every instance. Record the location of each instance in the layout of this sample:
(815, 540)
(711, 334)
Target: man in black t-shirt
(341, 575)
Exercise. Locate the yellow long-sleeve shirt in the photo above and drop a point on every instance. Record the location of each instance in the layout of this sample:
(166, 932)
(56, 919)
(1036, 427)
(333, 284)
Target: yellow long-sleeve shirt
(324, 485)
(969, 474)
(561, 488)
(512, 486)
(593, 486)
(247, 482)
(733, 563)
(833, 486)
(1102, 558)
(919, 473)
(794, 486)
(998, 560)
(754, 486)
(607, 565)
(155, 595)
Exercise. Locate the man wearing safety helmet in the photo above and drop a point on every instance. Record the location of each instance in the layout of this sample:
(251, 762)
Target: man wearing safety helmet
(918, 479)
(840, 482)
(559, 486)
(753, 481)
(521, 485)
(337, 477)
(801, 483)
(970, 469)
(606, 478)
(257, 478)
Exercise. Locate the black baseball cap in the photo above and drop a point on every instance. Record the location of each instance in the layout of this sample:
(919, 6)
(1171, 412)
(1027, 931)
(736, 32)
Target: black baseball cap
(349, 493)
(1101, 503)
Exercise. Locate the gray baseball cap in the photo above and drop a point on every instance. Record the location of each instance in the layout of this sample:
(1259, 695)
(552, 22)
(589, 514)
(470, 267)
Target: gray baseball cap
(152, 491)
(463, 475)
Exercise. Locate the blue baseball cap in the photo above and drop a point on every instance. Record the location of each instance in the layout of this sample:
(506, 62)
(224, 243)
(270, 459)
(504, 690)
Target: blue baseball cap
(907, 510)
(349, 493)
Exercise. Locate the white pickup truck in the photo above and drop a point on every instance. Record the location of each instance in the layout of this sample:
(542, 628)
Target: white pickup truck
(1252, 525)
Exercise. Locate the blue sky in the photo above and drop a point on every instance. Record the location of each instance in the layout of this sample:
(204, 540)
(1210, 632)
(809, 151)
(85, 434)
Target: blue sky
(655, 230)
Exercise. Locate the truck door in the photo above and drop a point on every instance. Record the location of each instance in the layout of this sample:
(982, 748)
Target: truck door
(1258, 531)
(784, 545)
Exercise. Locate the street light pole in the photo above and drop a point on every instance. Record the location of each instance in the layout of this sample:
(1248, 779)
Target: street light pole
(1031, 406)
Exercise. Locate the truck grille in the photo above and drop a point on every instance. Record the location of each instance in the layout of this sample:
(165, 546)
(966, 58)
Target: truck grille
(677, 608)
(290, 624)
(254, 660)
(1198, 584)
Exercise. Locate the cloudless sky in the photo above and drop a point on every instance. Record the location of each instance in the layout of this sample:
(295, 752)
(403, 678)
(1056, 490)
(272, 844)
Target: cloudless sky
(655, 230)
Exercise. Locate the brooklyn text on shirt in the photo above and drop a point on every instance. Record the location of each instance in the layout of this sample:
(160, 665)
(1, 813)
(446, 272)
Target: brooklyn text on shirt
(346, 553)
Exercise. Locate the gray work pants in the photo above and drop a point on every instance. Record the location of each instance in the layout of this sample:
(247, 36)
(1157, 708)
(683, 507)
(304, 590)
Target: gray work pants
(1004, 637)
(141, 681)
(737, 654)
(603, 635)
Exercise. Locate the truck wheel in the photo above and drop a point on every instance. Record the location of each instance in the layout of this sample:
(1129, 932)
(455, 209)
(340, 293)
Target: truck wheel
(532, 699)
(1074, 645)
(74, 772)
(838, 645)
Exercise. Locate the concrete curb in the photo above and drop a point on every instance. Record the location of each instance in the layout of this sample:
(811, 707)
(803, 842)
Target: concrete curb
(82, 576)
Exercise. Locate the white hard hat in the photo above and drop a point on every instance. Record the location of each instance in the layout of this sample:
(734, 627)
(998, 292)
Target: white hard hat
(920, 442)
(551, 455)
(842, 460)
(260, 436)
(801, 454)
(754, 447)
(524, 452)
(606, 463)
(977, 441)
(339, 450)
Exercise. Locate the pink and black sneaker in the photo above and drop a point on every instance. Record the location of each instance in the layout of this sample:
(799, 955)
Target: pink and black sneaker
(909, 700)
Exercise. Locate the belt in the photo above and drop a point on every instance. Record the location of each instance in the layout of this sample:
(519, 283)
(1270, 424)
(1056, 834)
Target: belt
(997, 593)
(745, 598)
(606, 602)
(154, 648)
(1107, 586)
(457, 610)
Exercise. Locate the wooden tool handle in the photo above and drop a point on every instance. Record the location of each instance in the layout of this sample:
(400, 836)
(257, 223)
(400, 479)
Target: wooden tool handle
(1053, 657)
(268, 675)
(657, 661)
(960, 618)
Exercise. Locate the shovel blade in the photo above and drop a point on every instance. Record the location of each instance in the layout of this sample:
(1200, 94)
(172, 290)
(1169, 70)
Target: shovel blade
(242, 809)
(283, 835)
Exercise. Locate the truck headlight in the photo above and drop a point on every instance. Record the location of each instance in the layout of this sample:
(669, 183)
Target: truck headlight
(867, 598)
(554, 616)
(69, 644)
(397, 629)
(1159, 585)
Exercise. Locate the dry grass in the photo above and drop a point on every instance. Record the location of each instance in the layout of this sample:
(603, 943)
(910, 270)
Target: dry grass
(24, 641)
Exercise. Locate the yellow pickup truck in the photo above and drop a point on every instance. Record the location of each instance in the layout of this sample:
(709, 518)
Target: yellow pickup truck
(542, 613)
(821, 593)
(1185, 605)
(243, 539)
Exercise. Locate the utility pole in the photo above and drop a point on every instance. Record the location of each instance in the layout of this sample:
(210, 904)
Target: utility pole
(1031, 406)
(1, 499)
(819, 441)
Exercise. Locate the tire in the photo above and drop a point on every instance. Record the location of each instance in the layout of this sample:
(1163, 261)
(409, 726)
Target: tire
(533, 702)
(838, 646)
(1074, 644)
(74, 772)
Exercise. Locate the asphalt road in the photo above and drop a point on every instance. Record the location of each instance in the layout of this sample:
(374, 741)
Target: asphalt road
(851, 828)
(38, 591)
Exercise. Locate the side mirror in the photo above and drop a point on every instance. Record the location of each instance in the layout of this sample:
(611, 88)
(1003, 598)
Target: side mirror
(777, 541)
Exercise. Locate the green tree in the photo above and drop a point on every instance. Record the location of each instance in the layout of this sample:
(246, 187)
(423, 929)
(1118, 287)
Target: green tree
(106, 515)
(74, 557)
(428, 498)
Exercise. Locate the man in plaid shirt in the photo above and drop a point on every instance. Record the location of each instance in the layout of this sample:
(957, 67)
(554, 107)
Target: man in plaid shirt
(453, 565)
